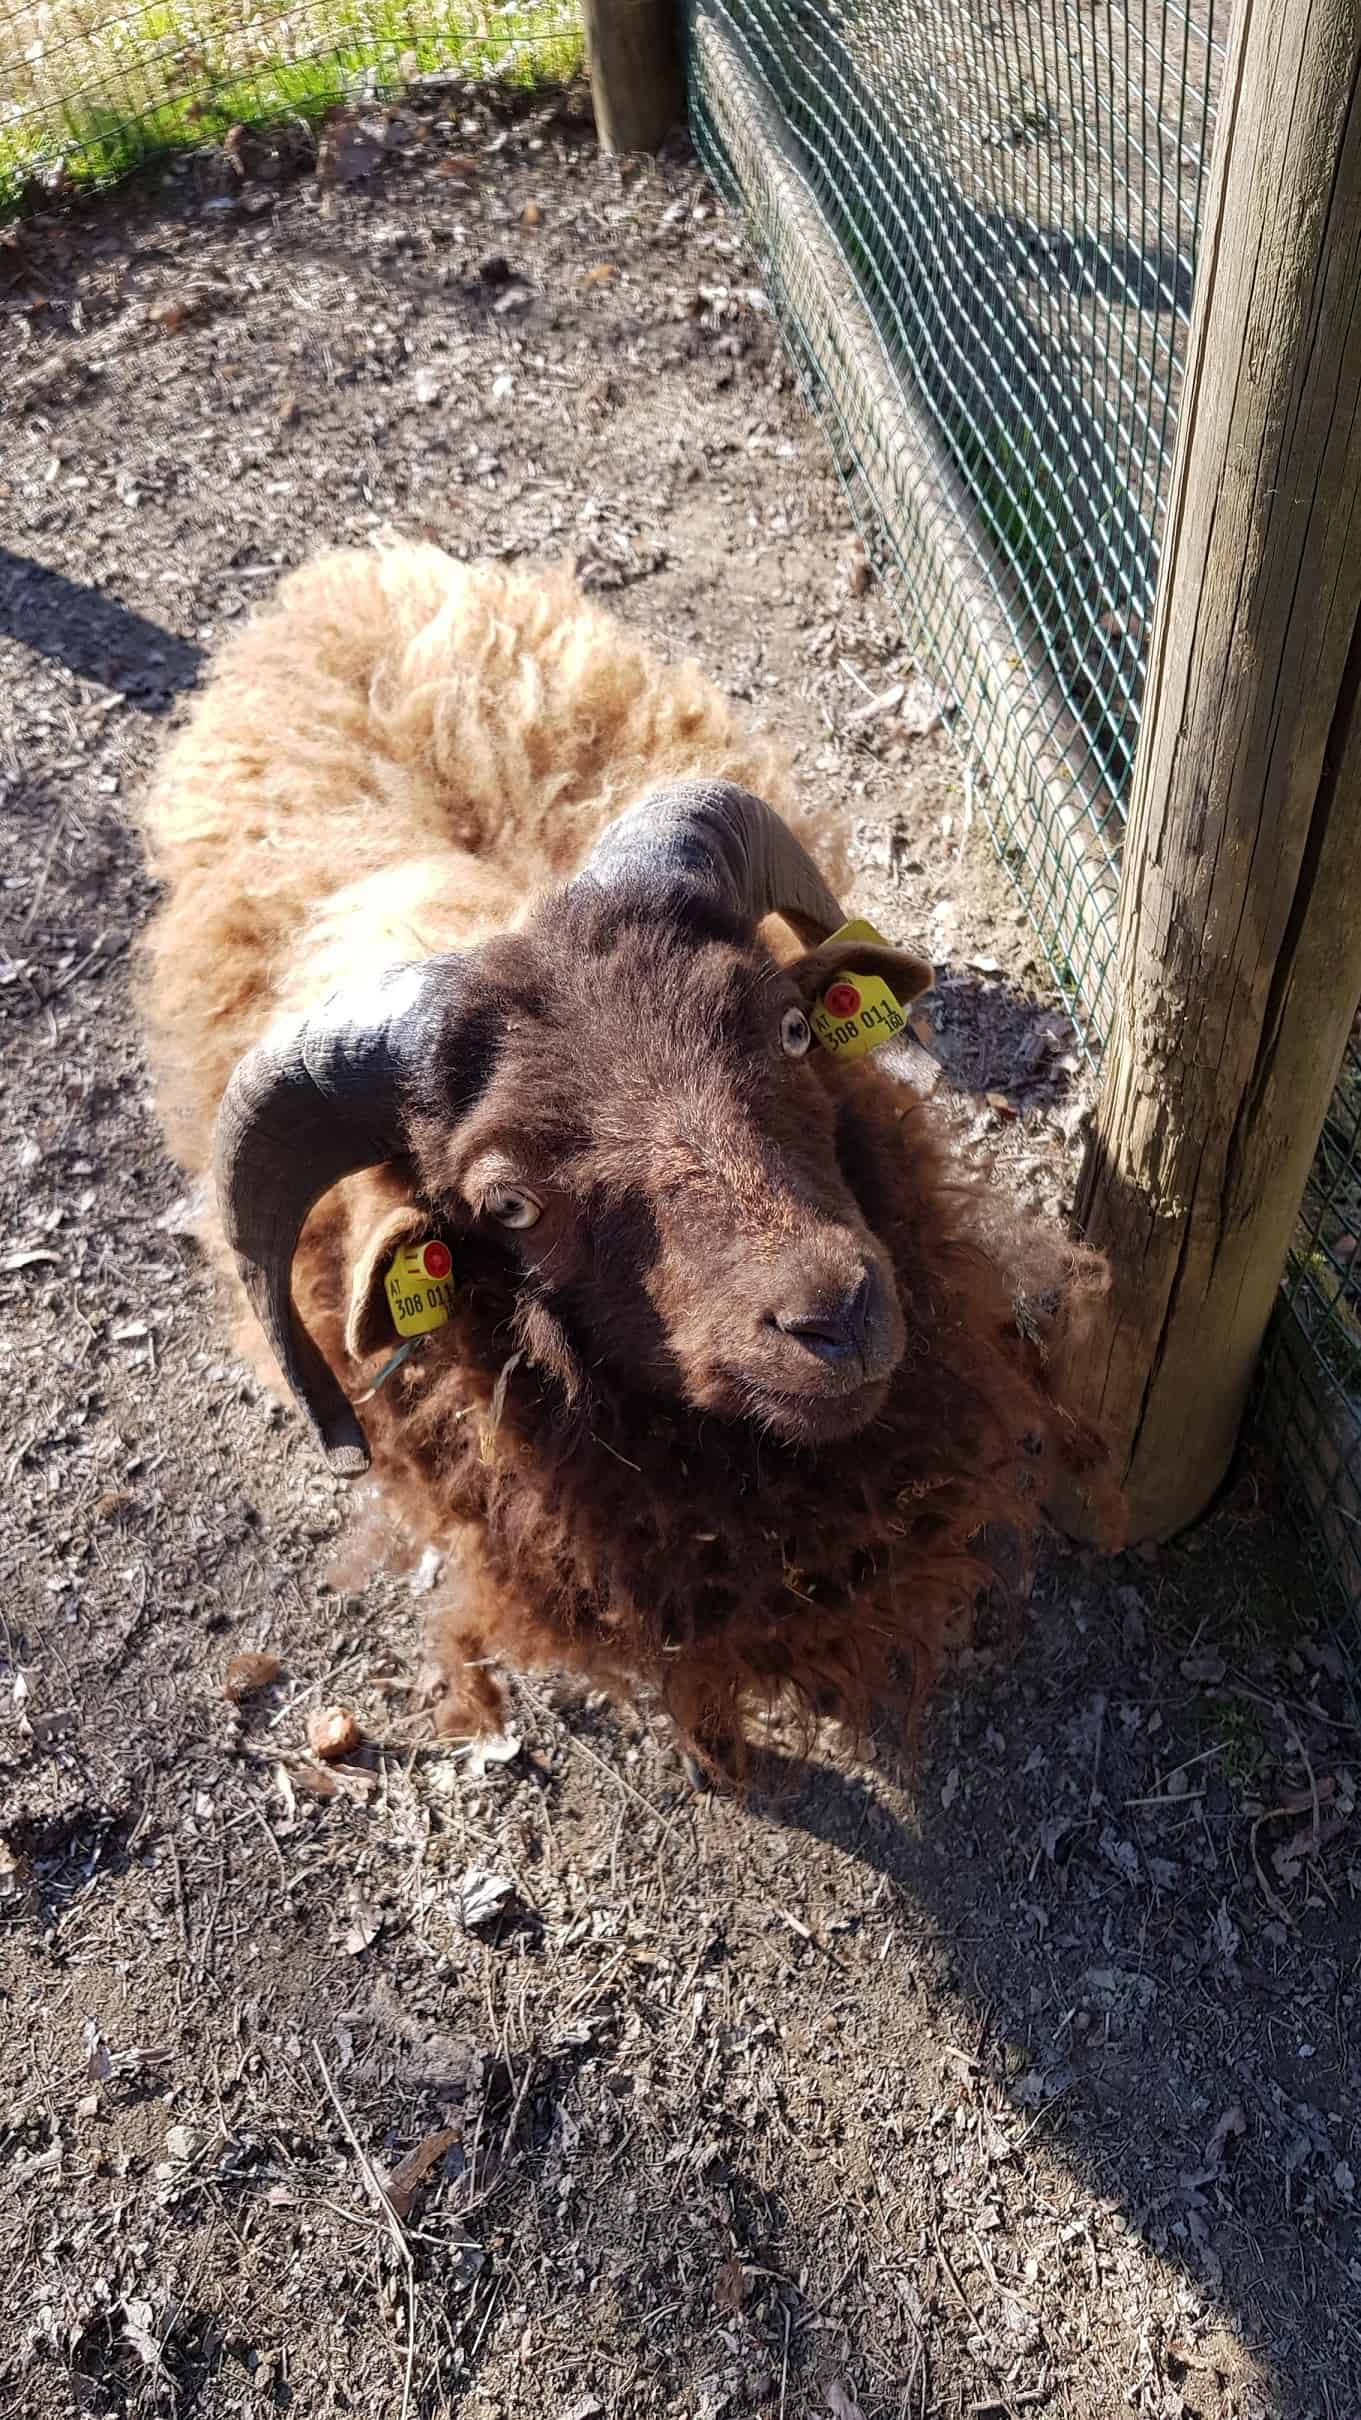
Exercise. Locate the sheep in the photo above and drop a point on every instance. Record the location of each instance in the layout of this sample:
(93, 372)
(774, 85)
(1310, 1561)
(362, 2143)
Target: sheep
(485, 930)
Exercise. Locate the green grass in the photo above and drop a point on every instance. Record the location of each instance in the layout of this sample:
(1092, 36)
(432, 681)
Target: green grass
(102, 86)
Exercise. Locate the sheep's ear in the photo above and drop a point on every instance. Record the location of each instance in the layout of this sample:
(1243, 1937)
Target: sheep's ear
(906, 975)
(368, 1326)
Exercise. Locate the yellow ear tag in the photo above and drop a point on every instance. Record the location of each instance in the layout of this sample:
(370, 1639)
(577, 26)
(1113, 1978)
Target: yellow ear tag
(856, 1012)
(420, 1287)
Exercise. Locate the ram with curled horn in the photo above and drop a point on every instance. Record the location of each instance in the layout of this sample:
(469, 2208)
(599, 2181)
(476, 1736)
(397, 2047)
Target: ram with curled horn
(529, 1046)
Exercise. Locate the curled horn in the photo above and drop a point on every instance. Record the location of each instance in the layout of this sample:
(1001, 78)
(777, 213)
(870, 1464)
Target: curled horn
(311, 1104)
(306, 1107)
(711, 836)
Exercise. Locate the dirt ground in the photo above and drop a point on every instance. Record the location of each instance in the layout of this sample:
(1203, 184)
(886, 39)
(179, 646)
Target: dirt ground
(1025, 2081)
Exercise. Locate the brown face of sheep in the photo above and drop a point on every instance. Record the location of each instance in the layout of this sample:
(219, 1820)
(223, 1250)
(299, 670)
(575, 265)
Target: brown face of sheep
(654, 1146)
(627, 1100)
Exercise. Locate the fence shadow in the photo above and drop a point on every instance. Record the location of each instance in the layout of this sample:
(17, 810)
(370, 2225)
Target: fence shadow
(93, 635)
(1178, 2035)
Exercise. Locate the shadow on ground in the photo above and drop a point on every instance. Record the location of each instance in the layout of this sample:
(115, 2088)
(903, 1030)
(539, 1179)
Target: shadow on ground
(93, 635)
(1133, 1851)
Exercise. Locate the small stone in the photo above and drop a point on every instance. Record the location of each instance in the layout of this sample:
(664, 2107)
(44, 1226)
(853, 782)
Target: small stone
(333, 1733)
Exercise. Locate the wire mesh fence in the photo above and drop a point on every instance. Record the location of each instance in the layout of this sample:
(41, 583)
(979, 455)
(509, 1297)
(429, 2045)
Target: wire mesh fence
(979, 221)
(1013, 193)
(1310, 1392)
(90, 88)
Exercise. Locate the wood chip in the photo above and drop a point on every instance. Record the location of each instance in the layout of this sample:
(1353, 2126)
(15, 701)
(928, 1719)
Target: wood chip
(408, 2179)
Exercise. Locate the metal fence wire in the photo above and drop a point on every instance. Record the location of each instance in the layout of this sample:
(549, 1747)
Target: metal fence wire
(1310, 1395)
(1012, 189)
(979, 224)
(90, 88)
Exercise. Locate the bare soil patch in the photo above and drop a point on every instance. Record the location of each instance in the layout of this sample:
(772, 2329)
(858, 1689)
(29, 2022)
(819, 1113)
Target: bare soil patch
(1024, 2078)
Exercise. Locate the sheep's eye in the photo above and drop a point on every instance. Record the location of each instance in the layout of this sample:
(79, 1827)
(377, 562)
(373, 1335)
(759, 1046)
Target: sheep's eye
(511, 1208)
(796, 1034)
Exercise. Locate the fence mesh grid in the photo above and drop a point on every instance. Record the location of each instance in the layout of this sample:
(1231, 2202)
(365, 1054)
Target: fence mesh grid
(1310, 1393)
(89, 88)
(979, 221)
(1014, 193)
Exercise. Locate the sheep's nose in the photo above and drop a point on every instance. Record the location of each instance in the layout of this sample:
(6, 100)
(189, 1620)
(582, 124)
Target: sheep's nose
(837, 1331)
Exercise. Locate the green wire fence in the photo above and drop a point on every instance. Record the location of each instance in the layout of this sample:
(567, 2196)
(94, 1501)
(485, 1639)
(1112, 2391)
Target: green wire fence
(1012, 196)
(979, 227)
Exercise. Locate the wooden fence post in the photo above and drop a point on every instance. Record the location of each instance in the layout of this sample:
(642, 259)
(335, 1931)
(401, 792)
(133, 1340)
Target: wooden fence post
(1239, 962)
(633, 50)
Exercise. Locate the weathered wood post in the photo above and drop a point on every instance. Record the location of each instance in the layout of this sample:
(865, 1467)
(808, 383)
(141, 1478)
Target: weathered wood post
(633, 51)
(1239, 963)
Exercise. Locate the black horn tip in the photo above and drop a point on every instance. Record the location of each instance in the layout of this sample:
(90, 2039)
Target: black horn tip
(347, 1453)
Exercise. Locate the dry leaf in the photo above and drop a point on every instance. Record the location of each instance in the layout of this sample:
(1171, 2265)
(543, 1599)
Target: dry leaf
(484, 1897)
(531, 215)
(1232, 2122)
(348, 149)
(730, 2286)
(364, 1930)
(313, 1778)
(139, 2332)
(601, 274)
(920, 710)
(248, 1673)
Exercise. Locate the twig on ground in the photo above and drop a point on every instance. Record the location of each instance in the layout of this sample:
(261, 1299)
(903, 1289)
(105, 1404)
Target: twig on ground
(374, 2187)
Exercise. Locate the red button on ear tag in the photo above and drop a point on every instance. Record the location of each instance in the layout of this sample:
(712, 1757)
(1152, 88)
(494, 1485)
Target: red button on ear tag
(841, 1000)
(437, 1259)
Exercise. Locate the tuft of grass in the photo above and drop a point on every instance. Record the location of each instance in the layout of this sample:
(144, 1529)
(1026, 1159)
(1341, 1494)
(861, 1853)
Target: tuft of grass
(101, 86)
